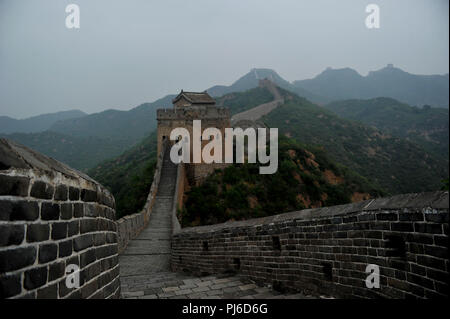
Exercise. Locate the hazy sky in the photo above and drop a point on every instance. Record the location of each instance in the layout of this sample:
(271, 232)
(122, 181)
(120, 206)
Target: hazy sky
(132, 51)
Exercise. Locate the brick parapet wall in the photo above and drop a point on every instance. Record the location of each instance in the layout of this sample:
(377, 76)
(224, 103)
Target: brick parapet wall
(178, 198)
(326, 250)
(52, 216)
(201, 112)
(130, 226)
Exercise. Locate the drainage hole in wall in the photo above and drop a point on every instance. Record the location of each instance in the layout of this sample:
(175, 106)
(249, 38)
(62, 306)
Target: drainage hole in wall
(396, 246)
(327, 269)
(237, 263)
(276, 243)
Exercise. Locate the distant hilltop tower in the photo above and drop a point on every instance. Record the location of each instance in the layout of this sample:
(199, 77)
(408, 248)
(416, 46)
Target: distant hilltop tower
(189, 106)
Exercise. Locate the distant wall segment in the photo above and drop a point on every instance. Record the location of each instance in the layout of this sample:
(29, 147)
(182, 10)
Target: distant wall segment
(52, 216)
(326, 250)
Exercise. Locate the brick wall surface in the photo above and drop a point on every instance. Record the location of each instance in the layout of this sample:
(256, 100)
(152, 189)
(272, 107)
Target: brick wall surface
(178, 200)
(210, 116)
(326, 250)
(52, 216)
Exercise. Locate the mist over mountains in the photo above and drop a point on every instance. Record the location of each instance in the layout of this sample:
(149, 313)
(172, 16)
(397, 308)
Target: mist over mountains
(129, 125)
(417, 90)
(36, 123)
(251, 79)
(384, 131)
(84, 141)
(330, 85)
(346, 83)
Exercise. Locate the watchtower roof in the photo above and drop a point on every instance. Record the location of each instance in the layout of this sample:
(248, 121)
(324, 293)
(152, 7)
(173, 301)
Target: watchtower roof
(195, 97)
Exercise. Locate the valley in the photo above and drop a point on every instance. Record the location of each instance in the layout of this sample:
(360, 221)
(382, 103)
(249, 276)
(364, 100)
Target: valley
(394, 147)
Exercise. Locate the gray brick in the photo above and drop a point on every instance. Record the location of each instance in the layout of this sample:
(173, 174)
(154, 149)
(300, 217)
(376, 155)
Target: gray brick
(38, 232)
(35, 278)
(59, 230)
(201, 289)
(88, 195)
(82, 242)
(50, 211)
(66, 211)
(11, 234)
(88, 225)
(49, 292)
(99, 239)
(183, 292)
(17, 258)
(14, 185)
(87, 257)
(73, 228)
(47, 252)
(61, 192)
(74, 193)
(23, 210)
(10, 285)
(42, 190)
(56, 270)
(78, 210)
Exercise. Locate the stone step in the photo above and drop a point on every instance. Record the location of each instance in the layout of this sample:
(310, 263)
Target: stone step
(161, 206)
(132, 265)
(148, 247)
(157, 237)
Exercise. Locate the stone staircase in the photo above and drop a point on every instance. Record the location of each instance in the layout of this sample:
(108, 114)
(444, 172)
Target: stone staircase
(150, 251)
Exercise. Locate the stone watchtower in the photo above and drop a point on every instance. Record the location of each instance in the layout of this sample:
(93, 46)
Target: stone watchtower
(189, 106)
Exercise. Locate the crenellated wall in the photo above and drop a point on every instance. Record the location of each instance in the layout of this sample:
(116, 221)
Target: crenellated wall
(326, 250)
(52, 216)
(203, 112)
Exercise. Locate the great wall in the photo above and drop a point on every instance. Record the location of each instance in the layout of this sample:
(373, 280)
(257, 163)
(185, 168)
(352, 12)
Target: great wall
(52, 216)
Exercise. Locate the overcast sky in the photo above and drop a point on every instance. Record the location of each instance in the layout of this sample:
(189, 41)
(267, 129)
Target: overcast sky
(133, 51)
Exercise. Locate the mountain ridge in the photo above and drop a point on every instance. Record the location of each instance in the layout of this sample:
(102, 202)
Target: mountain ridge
(35, 124)
(428, 127)
(129, 127)
(317, 128)
(133, 124)
(78, 152)
(413, 89)
(387, 161)
(251, 80)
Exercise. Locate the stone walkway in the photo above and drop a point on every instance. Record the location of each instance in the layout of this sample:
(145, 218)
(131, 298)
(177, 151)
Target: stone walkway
(145, 263)
(169, 285)
(150, 251)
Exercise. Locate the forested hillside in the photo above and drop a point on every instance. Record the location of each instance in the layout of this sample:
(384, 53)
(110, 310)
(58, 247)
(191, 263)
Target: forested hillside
(84, 142)
(80, 153)
(428, 127)
(242, 101)
(306, 178)
(395, 164)
(377, 162)
(129, 176)
(36, 124)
